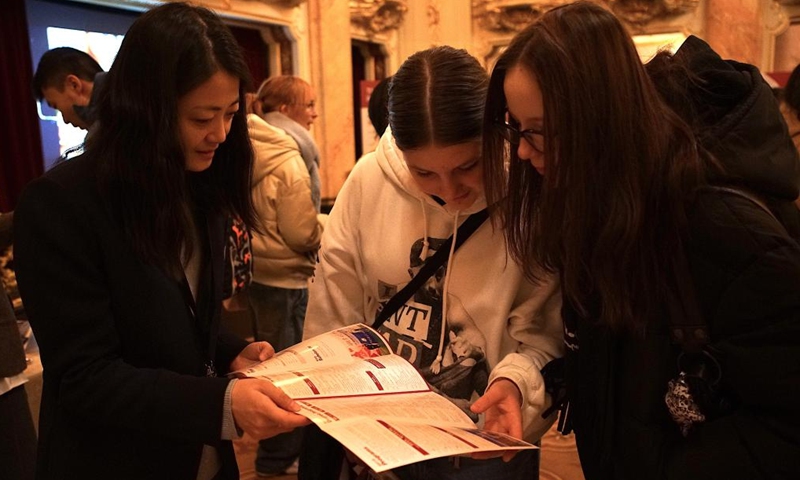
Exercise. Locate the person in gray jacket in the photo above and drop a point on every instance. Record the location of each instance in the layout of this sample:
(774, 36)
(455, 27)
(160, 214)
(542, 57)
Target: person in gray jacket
(286, 196)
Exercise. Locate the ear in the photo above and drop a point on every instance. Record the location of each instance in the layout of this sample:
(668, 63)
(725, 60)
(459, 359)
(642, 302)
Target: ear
(283, 108)
(73, 84)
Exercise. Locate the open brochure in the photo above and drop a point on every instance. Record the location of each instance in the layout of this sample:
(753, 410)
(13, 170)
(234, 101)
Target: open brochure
(374, 402)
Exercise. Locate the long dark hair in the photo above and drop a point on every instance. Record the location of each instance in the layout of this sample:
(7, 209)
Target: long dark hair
(791, 94)
(437, 97)
(167, 52)
(609, 212)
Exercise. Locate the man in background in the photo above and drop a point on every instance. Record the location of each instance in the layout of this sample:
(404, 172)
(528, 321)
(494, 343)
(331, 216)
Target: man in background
(66, 79)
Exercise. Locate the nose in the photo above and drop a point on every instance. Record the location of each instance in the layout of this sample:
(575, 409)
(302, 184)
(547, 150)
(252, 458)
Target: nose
(450, 188)
(219, 131)
(525, 151)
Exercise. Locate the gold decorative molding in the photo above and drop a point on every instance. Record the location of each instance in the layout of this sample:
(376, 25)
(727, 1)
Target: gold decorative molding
(776, 20)
(280, 3)
(510, 16)
(641, 12)
(377, 16)
(434, 13)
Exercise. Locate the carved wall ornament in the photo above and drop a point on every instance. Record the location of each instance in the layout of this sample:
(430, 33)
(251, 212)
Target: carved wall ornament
(377, 16)
(776, 19)
(434, 15)
(641, 12)
(510, 16)
(281, 3)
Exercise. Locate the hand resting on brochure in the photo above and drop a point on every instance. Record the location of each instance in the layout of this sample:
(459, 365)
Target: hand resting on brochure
(260, 408)
(378, 406)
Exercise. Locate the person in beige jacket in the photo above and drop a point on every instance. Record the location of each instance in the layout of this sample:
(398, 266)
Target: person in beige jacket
(284, 256)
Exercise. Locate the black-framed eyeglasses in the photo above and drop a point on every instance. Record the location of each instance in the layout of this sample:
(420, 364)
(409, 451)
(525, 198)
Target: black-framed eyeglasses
(512, 134)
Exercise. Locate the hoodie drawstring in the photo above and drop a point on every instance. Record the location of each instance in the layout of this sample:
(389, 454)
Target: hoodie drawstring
(425, 242)
(437, 364)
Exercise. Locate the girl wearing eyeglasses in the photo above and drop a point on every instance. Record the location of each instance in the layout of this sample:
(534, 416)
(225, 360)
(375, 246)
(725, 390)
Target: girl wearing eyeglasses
(644, 218)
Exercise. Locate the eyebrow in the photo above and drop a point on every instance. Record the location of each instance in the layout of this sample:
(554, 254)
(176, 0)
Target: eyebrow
(214, 108)
(462, 165)
(530, 120)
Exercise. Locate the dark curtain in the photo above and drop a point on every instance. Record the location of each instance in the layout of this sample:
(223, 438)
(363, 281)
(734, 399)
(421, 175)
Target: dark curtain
(21, 158)
(255, 51)
(358, 63)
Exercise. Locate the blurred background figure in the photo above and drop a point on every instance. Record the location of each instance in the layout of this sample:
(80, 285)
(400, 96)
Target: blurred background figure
(378, 107)
(18, 440)
(66, 79)
(69, 81)
(286, 196)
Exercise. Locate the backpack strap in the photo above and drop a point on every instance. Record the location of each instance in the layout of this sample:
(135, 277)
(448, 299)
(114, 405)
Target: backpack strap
(688, 327)
(744, 194)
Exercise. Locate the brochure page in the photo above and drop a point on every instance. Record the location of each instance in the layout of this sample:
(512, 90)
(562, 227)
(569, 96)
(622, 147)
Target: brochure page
(374, 402)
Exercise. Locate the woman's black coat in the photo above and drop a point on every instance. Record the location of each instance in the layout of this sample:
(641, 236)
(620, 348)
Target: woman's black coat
(125, 392)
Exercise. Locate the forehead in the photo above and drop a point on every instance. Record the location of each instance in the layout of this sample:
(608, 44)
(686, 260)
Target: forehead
(219, 92)
(523, 95)
(442, 159)
(304, 93)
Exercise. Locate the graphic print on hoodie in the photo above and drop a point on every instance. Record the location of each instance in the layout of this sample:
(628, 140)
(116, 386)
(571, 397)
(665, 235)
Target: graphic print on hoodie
(415, 332)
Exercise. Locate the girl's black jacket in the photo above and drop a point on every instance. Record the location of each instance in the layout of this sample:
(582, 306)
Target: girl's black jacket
(745, 268)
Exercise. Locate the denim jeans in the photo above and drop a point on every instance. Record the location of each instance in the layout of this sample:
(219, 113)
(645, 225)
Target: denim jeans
(278, 315)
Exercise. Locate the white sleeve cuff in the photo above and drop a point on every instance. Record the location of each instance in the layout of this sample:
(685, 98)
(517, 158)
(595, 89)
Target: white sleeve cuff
(520, 369)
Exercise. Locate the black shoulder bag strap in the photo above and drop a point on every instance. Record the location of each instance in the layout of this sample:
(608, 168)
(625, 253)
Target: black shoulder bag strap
(693, 396)
(688, 327)
(431, 265)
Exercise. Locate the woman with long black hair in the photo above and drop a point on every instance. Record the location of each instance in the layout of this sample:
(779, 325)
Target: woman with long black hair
(120, 264)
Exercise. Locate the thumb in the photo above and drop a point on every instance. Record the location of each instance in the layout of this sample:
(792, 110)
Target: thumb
(280, 398)
(265, 351)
